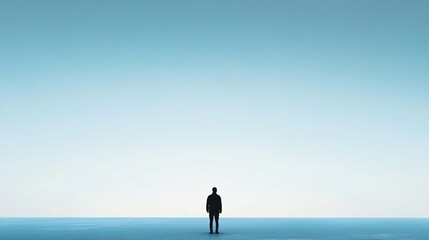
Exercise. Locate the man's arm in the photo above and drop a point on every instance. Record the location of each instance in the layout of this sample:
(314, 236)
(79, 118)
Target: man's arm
(207, 204)
(220, 204)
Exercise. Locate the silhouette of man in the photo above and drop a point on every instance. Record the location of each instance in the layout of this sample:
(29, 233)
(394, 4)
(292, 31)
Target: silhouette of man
(214, 208)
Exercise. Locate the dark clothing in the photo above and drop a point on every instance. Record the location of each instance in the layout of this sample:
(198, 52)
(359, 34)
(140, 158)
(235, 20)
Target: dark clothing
(214, 207)
(214, 204)
(216, 217)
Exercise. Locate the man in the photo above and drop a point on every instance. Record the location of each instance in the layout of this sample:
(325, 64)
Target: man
(214, 208)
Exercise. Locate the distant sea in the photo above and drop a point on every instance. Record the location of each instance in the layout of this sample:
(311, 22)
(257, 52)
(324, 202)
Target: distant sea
(230, 228)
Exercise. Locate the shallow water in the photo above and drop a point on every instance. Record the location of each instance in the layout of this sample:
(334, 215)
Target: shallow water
(197, 228)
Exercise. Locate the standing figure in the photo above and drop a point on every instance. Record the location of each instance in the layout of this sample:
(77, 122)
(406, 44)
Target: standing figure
(214, 208)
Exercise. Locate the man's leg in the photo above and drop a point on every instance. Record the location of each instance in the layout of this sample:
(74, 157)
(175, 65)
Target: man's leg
(211, 222)
(217, 222)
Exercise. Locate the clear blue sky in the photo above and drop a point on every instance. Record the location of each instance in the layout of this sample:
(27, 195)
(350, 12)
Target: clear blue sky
(290, 108)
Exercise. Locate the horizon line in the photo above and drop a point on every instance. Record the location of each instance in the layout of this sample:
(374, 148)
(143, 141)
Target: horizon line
(378, 217)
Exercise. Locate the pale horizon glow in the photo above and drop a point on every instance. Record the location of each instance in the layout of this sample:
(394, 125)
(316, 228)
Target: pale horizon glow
(139, 108)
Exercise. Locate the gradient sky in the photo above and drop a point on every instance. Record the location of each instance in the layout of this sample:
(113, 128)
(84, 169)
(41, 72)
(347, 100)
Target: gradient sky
(138, 108)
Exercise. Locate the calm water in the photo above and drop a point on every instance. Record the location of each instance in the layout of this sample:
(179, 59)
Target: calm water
(197, 228)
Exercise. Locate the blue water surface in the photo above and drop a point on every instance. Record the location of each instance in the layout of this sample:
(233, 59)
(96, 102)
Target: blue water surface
(197, 228)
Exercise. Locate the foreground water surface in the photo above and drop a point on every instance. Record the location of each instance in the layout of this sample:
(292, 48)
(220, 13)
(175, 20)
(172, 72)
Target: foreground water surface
(197, 228)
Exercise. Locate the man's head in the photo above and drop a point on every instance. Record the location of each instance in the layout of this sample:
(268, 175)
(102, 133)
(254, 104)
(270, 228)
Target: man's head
(214, 190)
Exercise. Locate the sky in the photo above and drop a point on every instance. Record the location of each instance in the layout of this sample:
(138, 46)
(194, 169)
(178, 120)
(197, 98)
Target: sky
(138, 108)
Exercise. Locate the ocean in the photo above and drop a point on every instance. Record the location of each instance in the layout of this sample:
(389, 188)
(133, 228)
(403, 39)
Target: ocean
(230, 228)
